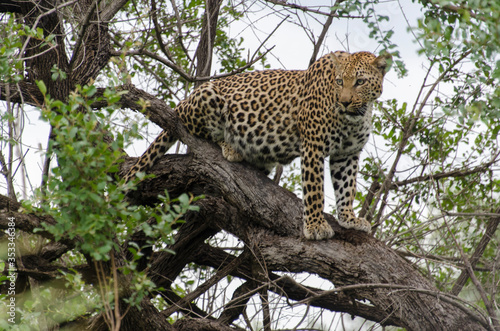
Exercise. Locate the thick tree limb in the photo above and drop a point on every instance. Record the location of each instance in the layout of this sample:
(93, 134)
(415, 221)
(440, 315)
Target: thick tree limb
(202, 325)
(290, 289)
(21, 93)
(205, 47)
(268, 218)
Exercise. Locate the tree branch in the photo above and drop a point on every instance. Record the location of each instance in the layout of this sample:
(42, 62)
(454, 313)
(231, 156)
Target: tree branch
(306, 9)
(22, 92)
(83, 29)
(185, 75)
(481, 247)
(322, 36)
(205, 286)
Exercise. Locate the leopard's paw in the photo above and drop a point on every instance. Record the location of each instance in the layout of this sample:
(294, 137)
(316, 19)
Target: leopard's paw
(349, 221)
(229, 153)
(318, 230)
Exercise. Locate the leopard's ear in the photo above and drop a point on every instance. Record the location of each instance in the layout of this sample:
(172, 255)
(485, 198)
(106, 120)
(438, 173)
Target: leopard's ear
(339, 57)
(383, 63)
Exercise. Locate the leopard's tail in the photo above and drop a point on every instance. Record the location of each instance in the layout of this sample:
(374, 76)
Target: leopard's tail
(159, 147)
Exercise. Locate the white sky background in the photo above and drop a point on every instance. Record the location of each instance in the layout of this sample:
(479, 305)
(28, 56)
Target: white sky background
(292, 50)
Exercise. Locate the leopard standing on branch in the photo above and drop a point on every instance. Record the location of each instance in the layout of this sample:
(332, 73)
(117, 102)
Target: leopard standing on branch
(274, 116)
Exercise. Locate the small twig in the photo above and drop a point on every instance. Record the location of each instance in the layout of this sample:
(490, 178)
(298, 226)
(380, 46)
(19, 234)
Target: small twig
(261, 274)
(39, 17)
(250, 293)
(188, 77)
(154, 15)
(179, 29)
(118, 318)
(454, 262)
(7, 167)
(322, 35)
(38, 54)
(167, 62)
(103, 289)
(46, 163)
(309, 10)
(8, 177)
(453, 173)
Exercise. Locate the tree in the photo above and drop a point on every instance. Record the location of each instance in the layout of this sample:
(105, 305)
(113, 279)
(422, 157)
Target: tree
(81, 255)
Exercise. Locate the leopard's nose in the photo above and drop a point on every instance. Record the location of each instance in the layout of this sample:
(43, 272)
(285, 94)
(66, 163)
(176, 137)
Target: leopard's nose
(345, 104)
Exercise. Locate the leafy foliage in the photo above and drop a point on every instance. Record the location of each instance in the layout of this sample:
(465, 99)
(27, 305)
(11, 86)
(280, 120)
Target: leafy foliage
(87, 199)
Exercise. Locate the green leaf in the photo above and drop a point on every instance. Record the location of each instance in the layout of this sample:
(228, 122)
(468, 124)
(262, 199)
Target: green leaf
(41, 87)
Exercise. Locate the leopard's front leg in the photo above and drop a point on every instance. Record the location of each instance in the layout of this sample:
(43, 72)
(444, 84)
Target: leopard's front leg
(315, 225)
(344, 171)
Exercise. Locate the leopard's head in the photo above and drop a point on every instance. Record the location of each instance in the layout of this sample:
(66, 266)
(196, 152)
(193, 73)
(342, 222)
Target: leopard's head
(359, 77)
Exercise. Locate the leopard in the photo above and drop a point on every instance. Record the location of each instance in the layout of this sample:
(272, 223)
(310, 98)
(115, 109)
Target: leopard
(274, 116)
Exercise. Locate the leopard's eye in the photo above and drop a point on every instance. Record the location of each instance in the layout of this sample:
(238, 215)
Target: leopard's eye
(339, 82)
(360, 81)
